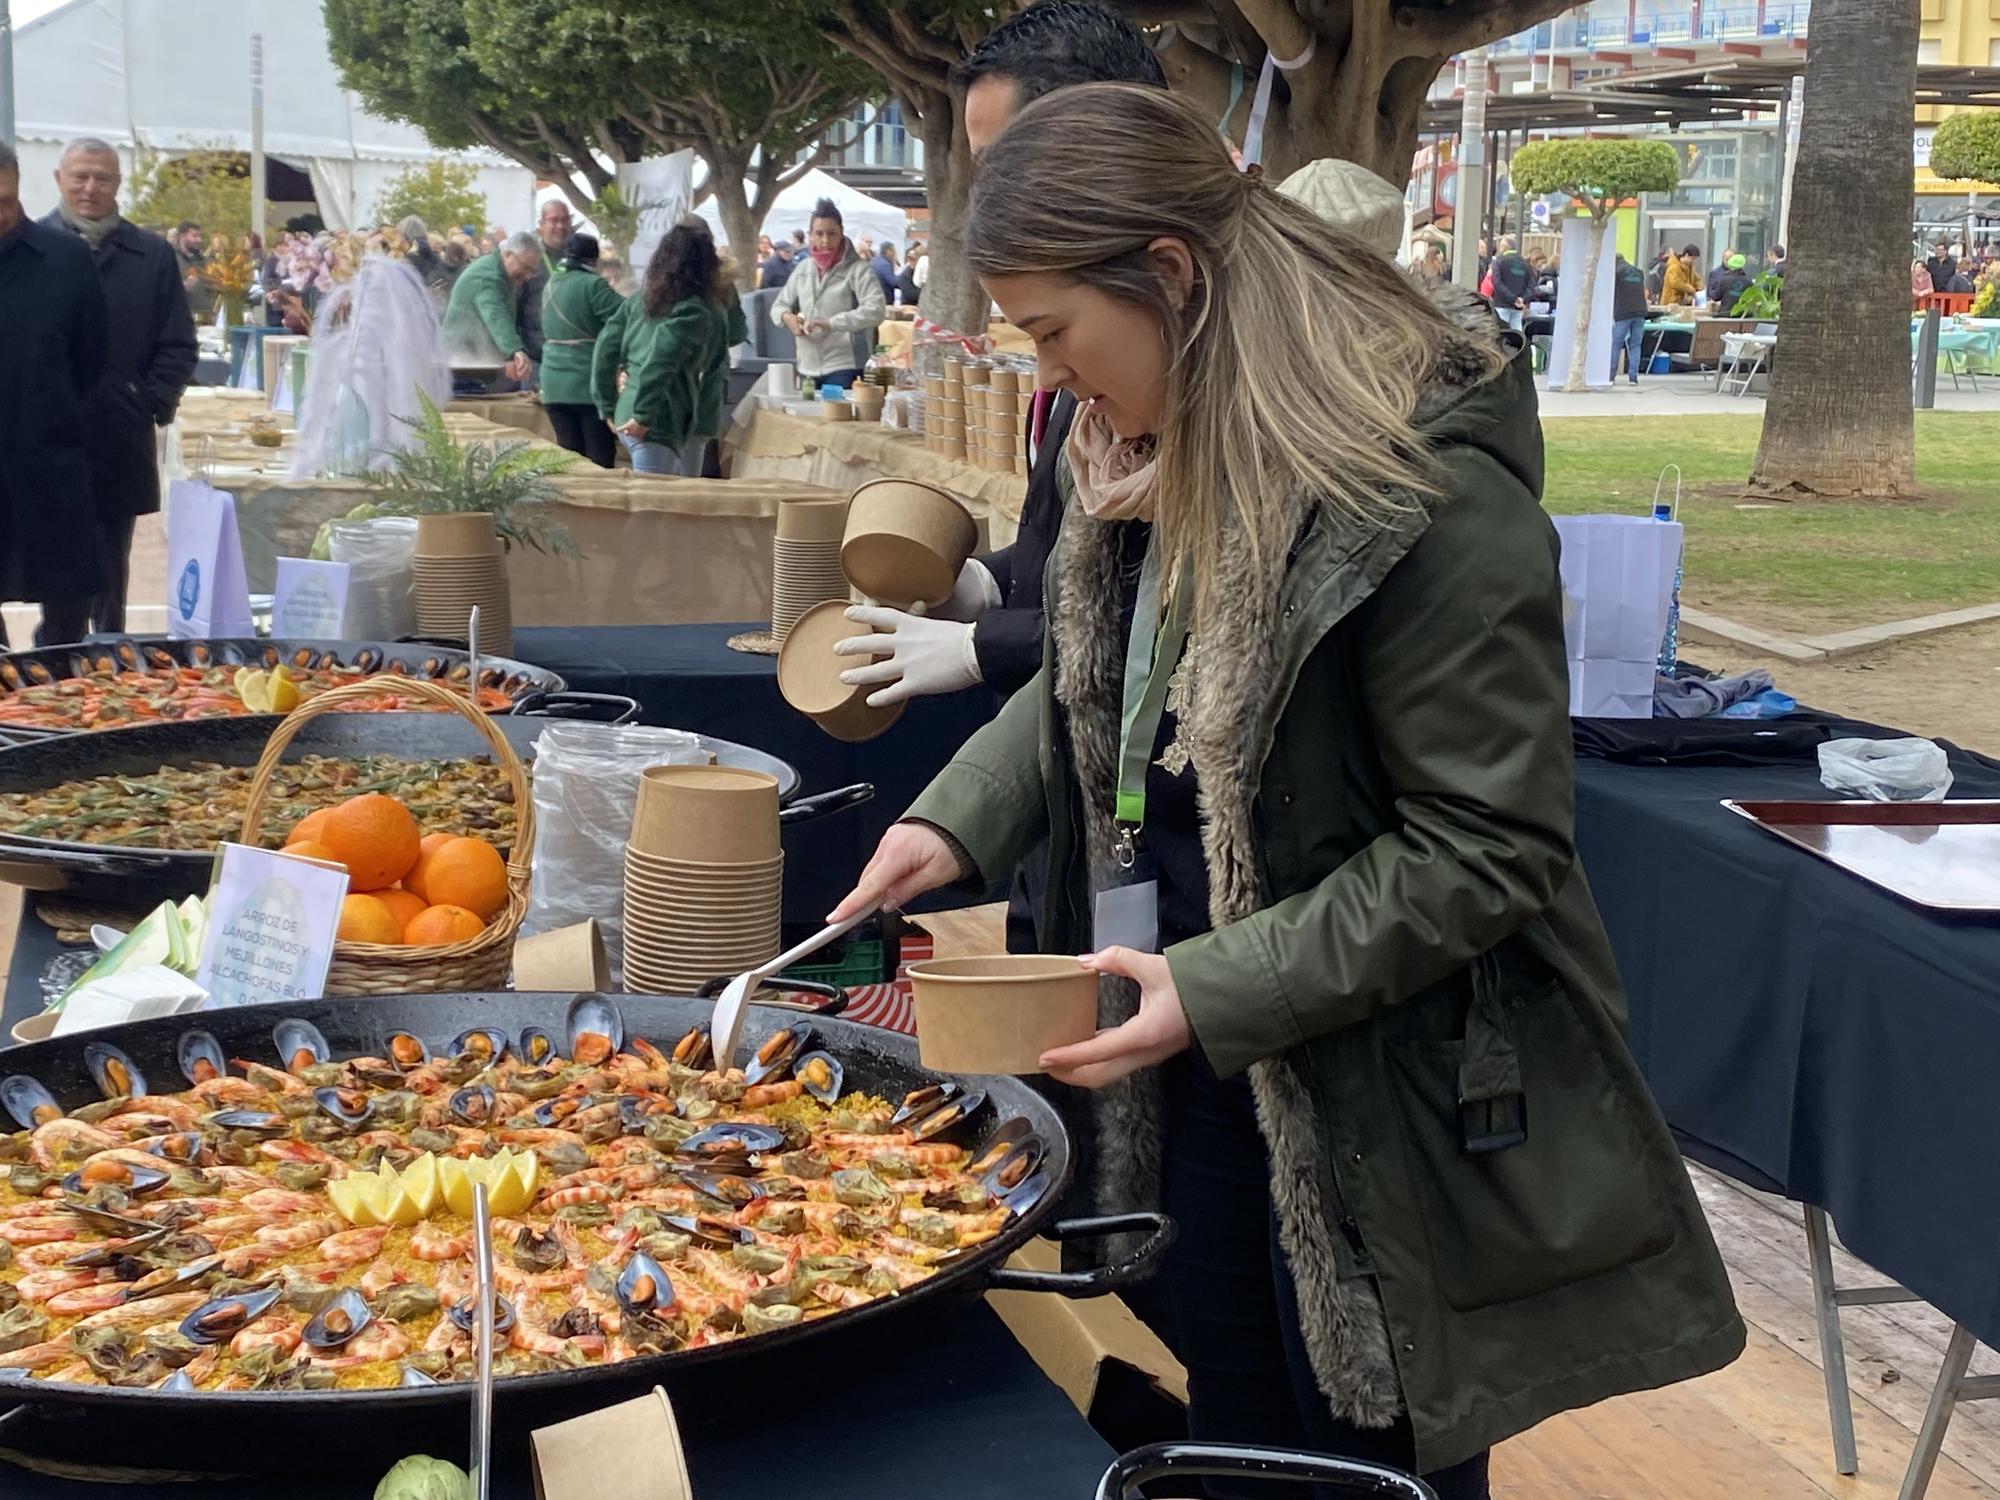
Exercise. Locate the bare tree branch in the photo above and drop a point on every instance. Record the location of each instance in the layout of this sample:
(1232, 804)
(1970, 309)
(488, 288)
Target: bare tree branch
(1278, 22)
(1456, 28)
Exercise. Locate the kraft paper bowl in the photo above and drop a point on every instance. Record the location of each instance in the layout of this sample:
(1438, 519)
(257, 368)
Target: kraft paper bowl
(809, 676)
(631, 1451)
(1000, 1014)
(906, 541)
(815, 519)
(457, 534)
(714, 814)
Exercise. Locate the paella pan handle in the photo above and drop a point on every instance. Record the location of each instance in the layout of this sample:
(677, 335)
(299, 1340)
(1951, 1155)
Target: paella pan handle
(1140, 1264)
(1344, 1476)
(820, 804)
(519, 862)
(595, 708)
(835, 996)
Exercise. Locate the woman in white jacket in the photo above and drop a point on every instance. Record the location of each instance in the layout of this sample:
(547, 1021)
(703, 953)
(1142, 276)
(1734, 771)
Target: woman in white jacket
(832, 303)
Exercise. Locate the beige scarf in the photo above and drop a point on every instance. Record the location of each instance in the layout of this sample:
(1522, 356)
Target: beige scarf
(1114, 475)
(94, 231)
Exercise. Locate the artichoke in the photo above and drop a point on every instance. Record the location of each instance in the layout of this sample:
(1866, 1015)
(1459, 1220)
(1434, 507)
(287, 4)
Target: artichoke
(421, 1478)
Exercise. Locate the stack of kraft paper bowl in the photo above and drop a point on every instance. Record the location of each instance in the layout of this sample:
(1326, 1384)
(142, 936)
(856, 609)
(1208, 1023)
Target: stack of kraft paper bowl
(704, 877)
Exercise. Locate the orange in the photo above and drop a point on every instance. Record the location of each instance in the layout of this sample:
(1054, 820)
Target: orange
(438, 926)
(308, 827)
(420, 872)
(403, 905)
(468, 873)
(364, 919)
(375, 837)
(312, 849)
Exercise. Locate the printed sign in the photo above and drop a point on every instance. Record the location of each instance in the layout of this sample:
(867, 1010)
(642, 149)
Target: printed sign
(311, 600)
(271, 927)
(209, 590)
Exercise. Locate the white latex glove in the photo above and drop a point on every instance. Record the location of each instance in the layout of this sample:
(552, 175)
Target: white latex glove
(975, 592)
(919, 656)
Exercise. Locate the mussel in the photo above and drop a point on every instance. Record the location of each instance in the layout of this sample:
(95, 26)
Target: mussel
(28, 1101)
(340, 1320)
(820, 1075)
(255, 1121)
(99, 1217)
(111, 1251)
(173, 1279)
(406, 1051)
(731, 1143)
(643, 1287)
(938, 1112)
(696, 1050)
(300, 1045)
(554, 1114)
(595, 1030)
(634, 1110)
(472, 1105)
(465, 1316)
(715, 1233)
(1018, 1175)
(350, 1107)
(724, 1187)
(182, 1147)
(773, 1060)
(116, 1075)
(412, 1376)
(180, 1380)
(488, 1044)
(102, 1171)
(1005, 1134)
(221, 1319)
(536, 1047)
(200, 1057)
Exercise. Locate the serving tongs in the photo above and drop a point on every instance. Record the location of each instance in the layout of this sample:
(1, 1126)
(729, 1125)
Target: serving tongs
(725, 1028)
(482, 1344)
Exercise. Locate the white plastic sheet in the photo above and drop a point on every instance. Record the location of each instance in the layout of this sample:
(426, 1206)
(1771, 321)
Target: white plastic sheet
(381, 604)
(1900, 770)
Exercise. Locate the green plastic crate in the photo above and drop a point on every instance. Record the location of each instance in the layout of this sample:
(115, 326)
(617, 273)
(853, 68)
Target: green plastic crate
(858, 963)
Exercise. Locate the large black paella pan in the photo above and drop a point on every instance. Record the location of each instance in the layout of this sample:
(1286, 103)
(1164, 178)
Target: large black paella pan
(999, 1116)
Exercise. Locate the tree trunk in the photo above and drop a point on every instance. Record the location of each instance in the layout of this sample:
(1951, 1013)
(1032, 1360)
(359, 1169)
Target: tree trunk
(740, 217)
(1839, 421)
(953, 296)
(1580, 295)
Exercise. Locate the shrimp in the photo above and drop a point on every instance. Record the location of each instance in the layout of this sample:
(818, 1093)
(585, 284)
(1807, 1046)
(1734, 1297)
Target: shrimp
(445, 1338)
(270, 1331)
(304, 1151)
(296, 1236)
(183, 1114)
(352, 1247)
(40, 1286)
(379, 1277)
(428, 1242)
(44, 1257)
(34, 1356)
(94, 1298)
(197, 1369)
(279, 1202)
(41, 1231)
(583, 1192)
(375, 1344)
(67, 1137)
(226, 1090)
(270, 1080)
(724, 1272)
(150, 1310)
(542, 1138)
(836, 1295)
(772, 1093)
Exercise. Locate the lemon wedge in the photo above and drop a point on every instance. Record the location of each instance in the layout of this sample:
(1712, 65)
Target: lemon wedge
(254, 688)
(284, 694)
(509, 1179)
(356, 1199)
(420, 1182)
(431, 1183)
(454, 1187)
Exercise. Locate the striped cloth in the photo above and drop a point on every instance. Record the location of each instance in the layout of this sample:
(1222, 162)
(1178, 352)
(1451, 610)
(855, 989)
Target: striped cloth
(889, 1005)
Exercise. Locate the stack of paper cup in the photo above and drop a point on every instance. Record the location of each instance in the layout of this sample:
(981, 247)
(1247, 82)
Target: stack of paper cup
(805, 559)
(704, 877)
(459, 565)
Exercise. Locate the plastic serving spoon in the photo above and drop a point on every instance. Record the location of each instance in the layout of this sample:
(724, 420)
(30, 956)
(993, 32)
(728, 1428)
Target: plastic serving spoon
(726, 1026)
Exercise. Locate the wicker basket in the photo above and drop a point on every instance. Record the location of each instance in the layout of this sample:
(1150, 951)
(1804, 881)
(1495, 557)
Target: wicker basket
(479, 963)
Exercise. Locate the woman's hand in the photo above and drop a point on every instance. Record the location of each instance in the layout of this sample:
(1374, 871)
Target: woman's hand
(795, 323)
(635, 430)
(1159, 1030)
(817, 326)
(911, 859)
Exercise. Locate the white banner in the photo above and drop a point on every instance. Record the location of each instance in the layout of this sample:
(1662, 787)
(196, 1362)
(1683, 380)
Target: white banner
(659, 188)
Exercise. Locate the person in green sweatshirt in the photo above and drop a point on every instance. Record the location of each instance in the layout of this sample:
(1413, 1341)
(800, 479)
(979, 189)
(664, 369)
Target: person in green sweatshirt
(665, 340)
(577, 305)
(710, 415)
(479, 321)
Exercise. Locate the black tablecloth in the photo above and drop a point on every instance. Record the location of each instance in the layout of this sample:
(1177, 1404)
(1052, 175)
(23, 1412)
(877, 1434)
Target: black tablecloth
(686, 677)
(962, 1410)
(1803, 1030)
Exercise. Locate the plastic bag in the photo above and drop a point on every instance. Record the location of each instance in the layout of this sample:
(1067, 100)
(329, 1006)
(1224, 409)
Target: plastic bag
(585, 784)
(380, 603)
(1905, 770)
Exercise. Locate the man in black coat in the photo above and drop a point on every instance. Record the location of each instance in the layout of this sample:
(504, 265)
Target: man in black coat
(991, 628)
(52, 357)
(151, 359)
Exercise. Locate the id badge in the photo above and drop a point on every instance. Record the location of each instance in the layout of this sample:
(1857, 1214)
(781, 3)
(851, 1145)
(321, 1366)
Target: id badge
(1127, 915)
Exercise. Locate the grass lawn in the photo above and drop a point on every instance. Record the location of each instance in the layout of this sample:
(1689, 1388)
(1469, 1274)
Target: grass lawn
(1795, 566)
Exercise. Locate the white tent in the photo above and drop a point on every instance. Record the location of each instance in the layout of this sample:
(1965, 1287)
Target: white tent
(174, 75)
(861, 213)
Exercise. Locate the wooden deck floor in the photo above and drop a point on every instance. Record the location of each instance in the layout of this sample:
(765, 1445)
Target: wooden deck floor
(1757, 1430)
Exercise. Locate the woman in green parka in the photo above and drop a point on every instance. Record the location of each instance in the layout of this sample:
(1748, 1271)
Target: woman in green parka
(578, 304)
(1304, 671)
(665, 340)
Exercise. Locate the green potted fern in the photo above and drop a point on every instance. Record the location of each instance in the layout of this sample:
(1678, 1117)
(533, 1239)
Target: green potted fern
(473, 503)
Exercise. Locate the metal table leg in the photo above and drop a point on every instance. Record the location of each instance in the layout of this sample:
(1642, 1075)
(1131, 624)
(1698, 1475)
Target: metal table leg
(1832, 1352)
(1953, 1386)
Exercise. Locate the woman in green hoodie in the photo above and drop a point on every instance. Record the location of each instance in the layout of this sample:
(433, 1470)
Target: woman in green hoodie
(577, 306)
(665, 340)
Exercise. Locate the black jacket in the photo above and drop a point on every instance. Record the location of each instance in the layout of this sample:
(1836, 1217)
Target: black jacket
(151, 361)
(1008, 640)
(1513, 279)
(776, 271)
(906, 283)
(528, 311)
(1942, 269)
(52, 357)
(1628, 292)
(1724, 287)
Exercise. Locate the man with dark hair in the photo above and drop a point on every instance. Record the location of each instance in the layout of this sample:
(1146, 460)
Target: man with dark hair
(1774, 261)
(52, 356)
(186, 240)
(1513, 283)
(149, 361)
(553, 228)
(1047, 47)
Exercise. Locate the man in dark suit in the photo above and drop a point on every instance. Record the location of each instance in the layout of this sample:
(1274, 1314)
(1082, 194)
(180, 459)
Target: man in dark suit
(52, 357)
(150, 360)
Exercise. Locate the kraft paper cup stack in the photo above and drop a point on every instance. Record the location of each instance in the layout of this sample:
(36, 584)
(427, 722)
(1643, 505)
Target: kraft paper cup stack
(805, 559)
(704, 877)
(459, 565)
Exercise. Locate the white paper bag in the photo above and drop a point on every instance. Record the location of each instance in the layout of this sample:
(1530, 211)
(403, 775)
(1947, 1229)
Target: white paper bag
(208, 592)
(1618, 581)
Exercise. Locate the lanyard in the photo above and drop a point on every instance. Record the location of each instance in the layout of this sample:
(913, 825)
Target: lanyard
(1150, 659)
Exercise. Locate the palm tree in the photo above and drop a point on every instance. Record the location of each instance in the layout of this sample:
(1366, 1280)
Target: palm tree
(1839, 421)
